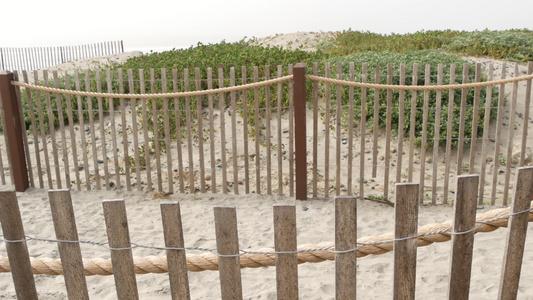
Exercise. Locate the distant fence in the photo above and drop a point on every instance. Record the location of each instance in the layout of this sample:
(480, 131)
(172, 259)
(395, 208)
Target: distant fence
(36, 58)
(229, 257)
(254, 138)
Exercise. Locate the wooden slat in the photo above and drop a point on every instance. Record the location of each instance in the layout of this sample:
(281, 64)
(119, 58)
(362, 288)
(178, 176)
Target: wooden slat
(315, 131)
(401, 120)
(167, 132)
(25, 135)
(61, 120)
(52, 130)
(526, 114)
(388, 130)
(516, 235)
(245, 133)
(82, 132)
(338, 133)
(234, 134)
(499, 128)
(327, 131)
(177, 262)
(2, 175)
(178, 133)
(257, 135)
(406, 220)
(222, 111)
(118, 237)
(350, 128)
(43, 134)
(484, 146)
(436, 136)
(375, 126)
(268, 133)
(199, 119)
(291, 133)
(70, 253)
(147, 156)
(113, 127)
(72, 134)
(89, 101)
(285, 240)
(463, 244)
(451, 101)
(155, 111)
(17, 253)
(510, 138)
(412, 123)
(35, 136)
(124, 131)
(423, 147)
(475, 118)
(228, 244)
(102, 128)
(280, 137)
(363, 133)
(212, 134)
(460, 142)
(134, 131)
(345, 239)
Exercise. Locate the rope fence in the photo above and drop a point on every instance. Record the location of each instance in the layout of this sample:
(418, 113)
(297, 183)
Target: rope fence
(307, 253)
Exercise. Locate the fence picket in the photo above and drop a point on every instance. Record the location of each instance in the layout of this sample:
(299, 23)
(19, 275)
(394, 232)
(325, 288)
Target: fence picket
(257, 136)
(222, 112)
(31, 112)
(423, 147)
(166, 118)
(228, 244)
(82, 132)
(451, 106)
(70, 253)
(199, 119)
(113, 127)
(475, 118)
(43, 135)
(516, 236)
(460, 143)
(155, 119)
(401, 121)
(315, 131)
(484, 145)
(436, 136)
(499, 128)
(179, 145)
(291, 134)
(510, 138)
(125, 132)
(350, 128)
(406, 225)
(268, 133)
(177, 263)
(363, 133)
(338, 132)
(412, 121)
(147, 150)
(119, 237)
(93, 131)
(234, 134)
(212, 134)
(327, 133)
(52, 131)
(375, 126)
(59, 104)
(526, 114)
(102, 128)
(345, 239)
(134, 131)
(285, 240)
(388, 134)
(463, 244)
(280, 137)
(19, 259)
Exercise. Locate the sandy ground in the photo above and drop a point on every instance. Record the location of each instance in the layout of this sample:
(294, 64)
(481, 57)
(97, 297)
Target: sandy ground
(315, 218)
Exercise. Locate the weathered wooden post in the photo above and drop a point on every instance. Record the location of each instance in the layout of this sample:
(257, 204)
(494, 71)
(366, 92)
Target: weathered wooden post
(14, 131)
(300, 144)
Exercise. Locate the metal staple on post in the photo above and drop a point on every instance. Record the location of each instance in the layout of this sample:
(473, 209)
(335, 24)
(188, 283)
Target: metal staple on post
(300, 131)
(14, 131)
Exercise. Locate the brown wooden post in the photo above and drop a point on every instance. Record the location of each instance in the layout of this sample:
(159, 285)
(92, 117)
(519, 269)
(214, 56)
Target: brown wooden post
(14, 131)
(300, 132)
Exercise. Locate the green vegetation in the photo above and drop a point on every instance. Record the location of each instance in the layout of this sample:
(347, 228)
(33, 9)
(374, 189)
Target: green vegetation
(424, 47)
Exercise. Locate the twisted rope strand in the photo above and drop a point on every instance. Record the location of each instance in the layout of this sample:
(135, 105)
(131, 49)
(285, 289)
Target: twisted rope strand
(155, 95)
(419, 87)
(372, 245)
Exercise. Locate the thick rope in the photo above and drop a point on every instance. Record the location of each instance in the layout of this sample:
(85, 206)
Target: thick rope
(155, 95)
(419, 87)
(209, 261)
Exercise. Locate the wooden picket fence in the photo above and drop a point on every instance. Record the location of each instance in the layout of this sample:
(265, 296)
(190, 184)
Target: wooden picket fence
(285, 236)
(36, 58)
(214, 147)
